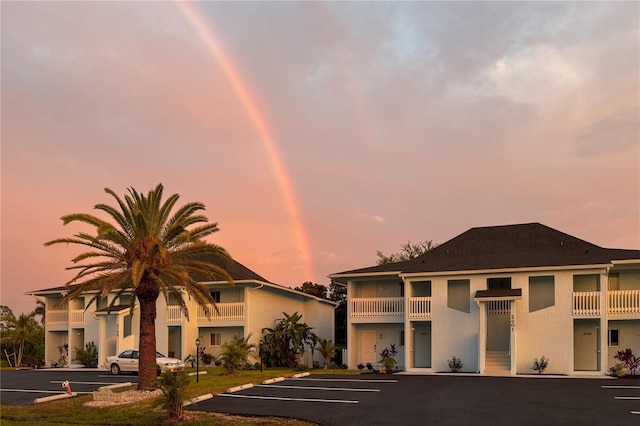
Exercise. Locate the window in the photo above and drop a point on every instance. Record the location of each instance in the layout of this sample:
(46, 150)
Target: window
(401, 337)
(216, 296)
(614, 282)
(614, 338)
(458, 295)
(498, 283)
(216, 339)
(127, 326)
(541, 292)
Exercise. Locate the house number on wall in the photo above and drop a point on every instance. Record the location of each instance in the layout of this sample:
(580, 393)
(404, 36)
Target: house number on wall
(513, 322)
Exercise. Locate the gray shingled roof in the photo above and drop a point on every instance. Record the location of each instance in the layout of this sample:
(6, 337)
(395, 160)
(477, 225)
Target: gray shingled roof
(237, 270)
(509, 246)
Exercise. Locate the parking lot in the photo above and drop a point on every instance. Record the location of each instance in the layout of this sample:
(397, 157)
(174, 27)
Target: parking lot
(443, 400)
(373, 399)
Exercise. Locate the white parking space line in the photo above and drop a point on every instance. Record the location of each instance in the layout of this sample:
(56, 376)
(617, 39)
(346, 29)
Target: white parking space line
(37, 391)
(347, 380)
(277, 398)
(626, 397)
(635, 412)
(318, 388)
(621, 387)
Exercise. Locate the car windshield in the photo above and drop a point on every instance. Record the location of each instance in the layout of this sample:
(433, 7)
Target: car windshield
(159, 355)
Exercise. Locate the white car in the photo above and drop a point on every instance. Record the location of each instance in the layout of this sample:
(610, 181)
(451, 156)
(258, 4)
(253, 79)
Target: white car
(128, 361)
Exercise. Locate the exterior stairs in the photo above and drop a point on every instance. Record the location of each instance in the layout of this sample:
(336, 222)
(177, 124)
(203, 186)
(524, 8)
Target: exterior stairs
(497, 363)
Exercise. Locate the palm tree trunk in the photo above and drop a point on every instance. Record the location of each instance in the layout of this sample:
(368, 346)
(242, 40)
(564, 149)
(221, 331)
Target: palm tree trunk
(147, 293)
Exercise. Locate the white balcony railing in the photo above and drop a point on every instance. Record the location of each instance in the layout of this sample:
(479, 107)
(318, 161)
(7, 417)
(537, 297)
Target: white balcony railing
(624, 302)
(586, 303)
(226, 312)
(377, 307)
(77, 317)
(419, 308)
(174, 314)
(57, 316)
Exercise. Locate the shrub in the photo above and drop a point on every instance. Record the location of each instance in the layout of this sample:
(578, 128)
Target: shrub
(174, 387)
(361, 366)
(235, 354)
(191, 360)
(301, 367)
(617, 370)
(455, 364)
(88, 356)
(344, 366)
(387, 355)
(630, 361)
(540, 365)
(369, 366)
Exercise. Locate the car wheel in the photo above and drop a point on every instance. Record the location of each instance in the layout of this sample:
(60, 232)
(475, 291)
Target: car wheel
(115, 369)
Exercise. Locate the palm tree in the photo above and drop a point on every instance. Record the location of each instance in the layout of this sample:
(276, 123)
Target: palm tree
(236, 352)
(283, 345)
(327, 349)
(16, 331)
(147, 251)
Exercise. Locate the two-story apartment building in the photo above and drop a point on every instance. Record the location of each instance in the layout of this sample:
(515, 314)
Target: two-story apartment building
(497, 298)
(244, 309)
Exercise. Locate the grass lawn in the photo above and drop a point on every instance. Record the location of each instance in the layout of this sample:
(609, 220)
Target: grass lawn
(148, 412)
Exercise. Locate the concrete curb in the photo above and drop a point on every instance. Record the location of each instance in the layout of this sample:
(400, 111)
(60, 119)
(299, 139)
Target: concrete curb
(297, 376)
(197, 374)
(116, 386)
(269, 381)
(197, 399)
(239, 388)
(54, 397)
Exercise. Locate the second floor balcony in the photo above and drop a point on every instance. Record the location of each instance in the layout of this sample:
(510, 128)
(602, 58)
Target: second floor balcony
(619, 303)
(227, 312)
(60, 318)
(389, 309)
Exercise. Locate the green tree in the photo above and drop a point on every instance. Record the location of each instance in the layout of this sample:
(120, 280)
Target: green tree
(327, 349)
(313, 289)
(284, 344)
(147, 250)
(20, 334)
(236, 352)
(407, 251)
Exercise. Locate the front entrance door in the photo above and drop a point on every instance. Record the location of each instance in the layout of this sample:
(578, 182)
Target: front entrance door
(368, 346)
(586, 345)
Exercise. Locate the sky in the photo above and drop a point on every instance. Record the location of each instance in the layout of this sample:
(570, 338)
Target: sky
(317, 133)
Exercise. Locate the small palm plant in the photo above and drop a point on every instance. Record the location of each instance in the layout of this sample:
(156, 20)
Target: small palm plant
(541, 364)
(327, 349)
(236, 352)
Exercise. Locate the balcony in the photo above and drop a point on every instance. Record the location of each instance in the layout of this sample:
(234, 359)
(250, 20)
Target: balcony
(619, 302)
(77, 318)
(419, 308)
(226, 312)
(624, 302)
(384, 309)
(57, 317)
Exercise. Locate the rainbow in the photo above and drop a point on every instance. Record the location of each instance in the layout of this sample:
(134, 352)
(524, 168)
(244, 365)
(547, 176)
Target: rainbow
(257, 118)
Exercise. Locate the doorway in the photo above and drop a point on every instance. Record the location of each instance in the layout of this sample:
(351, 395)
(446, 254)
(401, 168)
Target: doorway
(368, 346)
(586, 344)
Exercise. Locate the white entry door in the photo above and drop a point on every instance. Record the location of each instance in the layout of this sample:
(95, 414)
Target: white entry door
(368, 346)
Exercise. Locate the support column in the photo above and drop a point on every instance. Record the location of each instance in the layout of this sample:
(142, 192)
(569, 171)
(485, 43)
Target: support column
(512, 335)
(603, 335)
(482, 337)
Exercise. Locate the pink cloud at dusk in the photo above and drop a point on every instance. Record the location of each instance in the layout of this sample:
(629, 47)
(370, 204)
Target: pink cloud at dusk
(383, 122)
